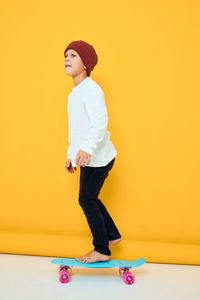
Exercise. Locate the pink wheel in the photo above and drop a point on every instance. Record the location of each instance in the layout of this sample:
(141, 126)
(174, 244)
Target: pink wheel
(64, 276)
(129, 278)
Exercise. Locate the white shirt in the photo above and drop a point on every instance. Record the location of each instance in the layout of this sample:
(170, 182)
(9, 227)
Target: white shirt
(88, 119)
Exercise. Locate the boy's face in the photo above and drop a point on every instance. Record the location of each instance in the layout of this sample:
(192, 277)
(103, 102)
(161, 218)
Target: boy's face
(73, 63)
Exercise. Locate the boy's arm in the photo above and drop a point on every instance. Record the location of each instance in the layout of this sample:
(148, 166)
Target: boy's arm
(97, 113)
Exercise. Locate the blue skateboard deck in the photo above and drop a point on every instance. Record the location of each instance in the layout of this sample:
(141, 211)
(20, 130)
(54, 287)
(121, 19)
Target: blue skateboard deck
(66, 265)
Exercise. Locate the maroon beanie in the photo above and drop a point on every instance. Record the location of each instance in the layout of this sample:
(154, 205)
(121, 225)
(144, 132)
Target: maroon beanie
(86, 52)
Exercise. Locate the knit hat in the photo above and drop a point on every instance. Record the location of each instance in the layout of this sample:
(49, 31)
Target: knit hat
(86, 52)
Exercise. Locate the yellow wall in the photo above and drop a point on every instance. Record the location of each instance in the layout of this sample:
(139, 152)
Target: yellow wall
(149, 70)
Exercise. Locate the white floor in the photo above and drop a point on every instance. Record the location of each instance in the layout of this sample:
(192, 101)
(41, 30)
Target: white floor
(25, 277)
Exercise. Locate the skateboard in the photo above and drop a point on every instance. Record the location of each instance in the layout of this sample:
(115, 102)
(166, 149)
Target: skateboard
(66, 265)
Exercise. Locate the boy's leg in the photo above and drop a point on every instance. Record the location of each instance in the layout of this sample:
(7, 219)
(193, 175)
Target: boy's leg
(91, 182)
(113, 232)
(111, 228)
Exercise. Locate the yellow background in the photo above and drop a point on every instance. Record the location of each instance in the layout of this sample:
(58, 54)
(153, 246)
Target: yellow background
(149, 70)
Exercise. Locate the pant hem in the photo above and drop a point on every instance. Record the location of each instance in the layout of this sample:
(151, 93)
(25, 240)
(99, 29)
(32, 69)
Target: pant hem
(100, 251)
(115, 238)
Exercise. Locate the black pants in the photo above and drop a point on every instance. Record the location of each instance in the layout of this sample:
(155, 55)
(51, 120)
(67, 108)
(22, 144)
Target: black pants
(100, 222)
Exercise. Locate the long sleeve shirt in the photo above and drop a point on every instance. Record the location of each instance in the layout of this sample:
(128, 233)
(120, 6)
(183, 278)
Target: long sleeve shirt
(88, 119)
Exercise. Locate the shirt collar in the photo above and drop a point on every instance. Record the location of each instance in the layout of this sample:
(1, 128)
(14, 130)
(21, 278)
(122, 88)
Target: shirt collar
(83, 82)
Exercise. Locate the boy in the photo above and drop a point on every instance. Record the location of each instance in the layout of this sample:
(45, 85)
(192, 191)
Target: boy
(90, 147)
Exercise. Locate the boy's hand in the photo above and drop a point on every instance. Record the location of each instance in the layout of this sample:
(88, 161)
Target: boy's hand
(69, 167)
(82, 158)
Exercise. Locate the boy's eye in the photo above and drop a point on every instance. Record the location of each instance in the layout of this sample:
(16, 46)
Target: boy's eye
(72, 55)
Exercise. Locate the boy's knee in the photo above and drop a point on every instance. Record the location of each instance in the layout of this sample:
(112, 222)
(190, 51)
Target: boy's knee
(82, 200)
